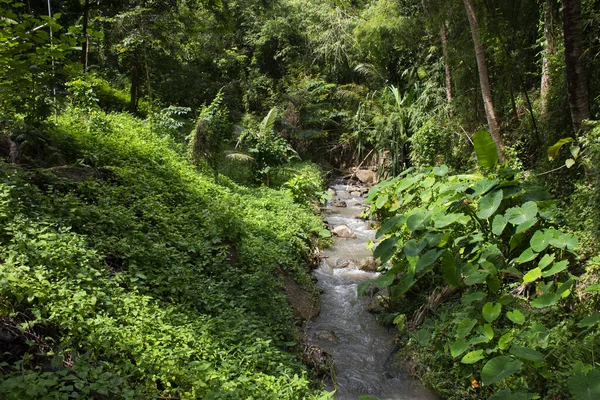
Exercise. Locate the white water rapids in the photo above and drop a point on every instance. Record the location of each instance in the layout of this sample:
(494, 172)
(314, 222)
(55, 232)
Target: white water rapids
(362, 350)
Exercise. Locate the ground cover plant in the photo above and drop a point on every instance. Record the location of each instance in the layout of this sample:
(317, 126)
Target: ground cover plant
(126, 273)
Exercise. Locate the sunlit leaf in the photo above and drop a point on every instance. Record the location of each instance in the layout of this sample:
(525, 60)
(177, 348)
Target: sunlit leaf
(489, 204)
(485, 148)
(472, 357)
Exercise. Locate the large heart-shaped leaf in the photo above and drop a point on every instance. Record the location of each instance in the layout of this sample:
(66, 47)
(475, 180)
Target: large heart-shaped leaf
(464, 327)
(516, 317)
(540, 240)
(489, 204)
(412, 248)
(428, 259)
(498, 224)
(459, 347)
(585, 386)
(450, 272)
(556, 268)
(385, 246)
(526, 353)
(532, 275)
(391, 223)
(519, 215)
(491, 312)
(499, 368)
(527, 255)
(418, 220)
(485, 148)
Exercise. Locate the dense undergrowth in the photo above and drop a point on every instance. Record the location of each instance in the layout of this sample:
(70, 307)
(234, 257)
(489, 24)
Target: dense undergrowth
(486, 283)
(127, 273)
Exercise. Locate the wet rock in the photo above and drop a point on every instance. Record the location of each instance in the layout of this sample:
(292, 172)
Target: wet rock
(339, 203)
(368, 264)
(342, 231)
(332, 192)
(345, 263)
(356, 194)
(328, 336)
(366, 176)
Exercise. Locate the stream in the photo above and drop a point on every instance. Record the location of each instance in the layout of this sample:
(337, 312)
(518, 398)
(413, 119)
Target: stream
(362, 350)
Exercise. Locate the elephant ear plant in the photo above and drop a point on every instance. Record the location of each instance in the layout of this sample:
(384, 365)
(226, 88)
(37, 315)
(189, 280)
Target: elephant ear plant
(492, 239)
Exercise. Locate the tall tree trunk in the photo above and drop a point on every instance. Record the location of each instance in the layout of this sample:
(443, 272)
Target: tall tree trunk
(86, 43)
(484, 81)
(448, 71)
(576, 78)
(549, 51)
(134, 89)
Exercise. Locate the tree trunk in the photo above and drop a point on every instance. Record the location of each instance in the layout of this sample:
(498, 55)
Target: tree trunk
(134, 90)
(549, 51)
(448, 71)
(484, 81)
(576, 77)
(86, 43)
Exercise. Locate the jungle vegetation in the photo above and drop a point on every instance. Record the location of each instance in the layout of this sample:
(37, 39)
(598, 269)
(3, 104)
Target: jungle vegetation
(161, 160)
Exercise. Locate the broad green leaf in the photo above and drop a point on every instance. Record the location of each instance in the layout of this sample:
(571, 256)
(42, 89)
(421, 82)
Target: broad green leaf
(592, 289)
(483, 186)
(428, 182)
(433, 238)
(569, 162)
(405, 283)
(476, 277)
(527, 255)
(386, 279)
(516, 317)
(381, 201)
(464, 327)
(519, 215)
(422, 336)
(546, 261)
(532, 275)
(565, 241)
(498, 225)
(526, 225)
(472, 357)
(450, 273)
(488, 331)
(427, 259)
(413, 249)
(489, 204)
(407, 183)
(459, 347)
(418, 220)
(324, 233)
(385, 246)
(441, 170)
(589, 321)
(491, 312)
(526, 353)
(469, 298)
(556, 268)
(445, 220)
(485, 148)
(545, 300)
(554, 149)
(575, 151)
(478, 340)
(505, 340)
(498, 368)
(390, 224)
(585, 386)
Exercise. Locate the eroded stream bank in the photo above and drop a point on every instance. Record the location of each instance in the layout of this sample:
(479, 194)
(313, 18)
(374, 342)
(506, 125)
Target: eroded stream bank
(362, 350)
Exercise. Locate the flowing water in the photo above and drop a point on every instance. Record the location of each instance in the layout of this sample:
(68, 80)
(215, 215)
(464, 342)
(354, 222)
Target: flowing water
(363, 351)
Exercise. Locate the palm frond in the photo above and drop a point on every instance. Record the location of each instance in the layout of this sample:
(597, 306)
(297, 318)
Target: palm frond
(238, 156)
(269, 121)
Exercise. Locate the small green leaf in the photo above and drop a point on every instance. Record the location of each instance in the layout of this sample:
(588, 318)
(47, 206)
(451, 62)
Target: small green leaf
(485, 148)
(441, 170)
(589, 321)
(488, 331)
(489, 204)
(540, 240)
(472, 357)
(554, 149)
(498, 368)
(464, 327)
(546, 261)
(575, 151)
(324, 233)
(459, 347)
(498, 224)
(381, 201)
(532, 275)
(491, 312)
(516, 317)
(592, 289)
(505, 340)
(569, 162)
(556, 268)
(527, 255)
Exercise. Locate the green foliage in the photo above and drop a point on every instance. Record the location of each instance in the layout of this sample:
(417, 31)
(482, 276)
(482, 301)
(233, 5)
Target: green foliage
(212, 135)
(145, 278)
(494, 238)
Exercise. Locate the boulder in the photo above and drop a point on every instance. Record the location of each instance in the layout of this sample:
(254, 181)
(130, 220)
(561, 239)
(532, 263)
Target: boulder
(366, 176)
(345, 263)
(368, 264)
(342, 231)
(339, 203)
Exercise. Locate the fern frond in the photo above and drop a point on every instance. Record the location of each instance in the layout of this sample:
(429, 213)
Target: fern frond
(269, 121)
(238, 156)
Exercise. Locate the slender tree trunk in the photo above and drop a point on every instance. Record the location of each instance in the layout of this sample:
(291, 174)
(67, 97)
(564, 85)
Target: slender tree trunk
(576, 77)
(549, 51)
(448, 71)
(484, 81)
(86, 43)
(134, 90)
